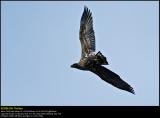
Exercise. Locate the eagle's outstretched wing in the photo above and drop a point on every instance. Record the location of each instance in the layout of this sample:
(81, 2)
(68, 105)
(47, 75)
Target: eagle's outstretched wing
(86, 33)
(111, 77)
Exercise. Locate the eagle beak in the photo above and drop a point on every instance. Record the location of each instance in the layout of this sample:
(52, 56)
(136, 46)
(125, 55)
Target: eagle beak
(72, 66)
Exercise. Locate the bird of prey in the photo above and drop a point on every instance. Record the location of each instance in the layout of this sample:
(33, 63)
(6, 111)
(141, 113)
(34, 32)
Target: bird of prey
(91, 61)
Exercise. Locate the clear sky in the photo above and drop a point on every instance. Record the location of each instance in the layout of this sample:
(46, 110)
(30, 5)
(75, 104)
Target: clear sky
(40, 40)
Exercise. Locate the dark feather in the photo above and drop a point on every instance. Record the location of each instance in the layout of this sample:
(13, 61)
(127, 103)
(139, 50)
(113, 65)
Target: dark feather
(86, 33)
(111, 77)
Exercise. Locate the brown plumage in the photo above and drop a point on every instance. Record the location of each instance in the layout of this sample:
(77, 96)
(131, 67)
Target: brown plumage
(93, 62)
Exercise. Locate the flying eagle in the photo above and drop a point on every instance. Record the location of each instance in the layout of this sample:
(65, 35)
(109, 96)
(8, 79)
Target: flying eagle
(90, 61)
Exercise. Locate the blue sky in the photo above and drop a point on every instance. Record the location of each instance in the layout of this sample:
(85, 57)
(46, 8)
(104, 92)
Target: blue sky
(40, 40)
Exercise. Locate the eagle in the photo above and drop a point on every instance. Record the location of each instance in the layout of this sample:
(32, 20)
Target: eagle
(92, 61)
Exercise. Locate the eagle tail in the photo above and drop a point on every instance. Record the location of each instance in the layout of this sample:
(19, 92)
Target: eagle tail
(101, 59)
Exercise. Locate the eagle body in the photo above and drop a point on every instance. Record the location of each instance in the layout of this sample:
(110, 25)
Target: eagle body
(88, 62)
